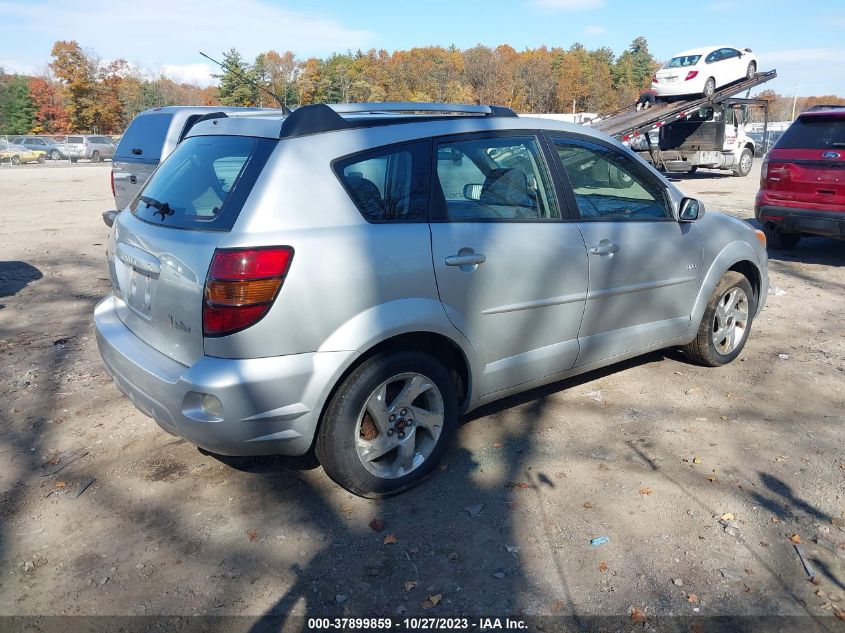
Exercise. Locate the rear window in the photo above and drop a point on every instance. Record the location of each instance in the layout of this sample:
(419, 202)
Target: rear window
(683, 61)
(204, 183)
(815, 133)
(144, 138)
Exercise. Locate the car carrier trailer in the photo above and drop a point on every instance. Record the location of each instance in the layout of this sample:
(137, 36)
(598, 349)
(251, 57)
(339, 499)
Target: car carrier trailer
(684, 134)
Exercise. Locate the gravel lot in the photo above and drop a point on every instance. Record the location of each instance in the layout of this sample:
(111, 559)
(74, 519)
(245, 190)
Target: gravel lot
(101, 512)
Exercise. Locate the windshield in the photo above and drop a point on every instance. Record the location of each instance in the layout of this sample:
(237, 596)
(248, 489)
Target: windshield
(203, 183)
(683, 61)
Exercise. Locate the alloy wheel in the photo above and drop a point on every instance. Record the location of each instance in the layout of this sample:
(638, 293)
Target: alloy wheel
(730, 322)
(399, 425)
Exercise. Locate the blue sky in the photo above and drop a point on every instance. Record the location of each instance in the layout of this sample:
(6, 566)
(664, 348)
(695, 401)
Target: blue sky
(803, 40)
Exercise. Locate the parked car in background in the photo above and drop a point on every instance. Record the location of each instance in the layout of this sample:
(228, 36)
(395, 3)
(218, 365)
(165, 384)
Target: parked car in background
(358, 276)
(802, 182)
(771, 138)
(54, 149)
(703, 71)
(17, 154)
(151, 136)
(89, 146)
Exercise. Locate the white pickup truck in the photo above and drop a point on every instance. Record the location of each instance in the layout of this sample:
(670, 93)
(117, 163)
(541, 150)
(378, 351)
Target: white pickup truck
(712, 136)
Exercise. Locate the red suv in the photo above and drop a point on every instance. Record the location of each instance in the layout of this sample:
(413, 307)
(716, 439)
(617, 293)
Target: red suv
(802, 183)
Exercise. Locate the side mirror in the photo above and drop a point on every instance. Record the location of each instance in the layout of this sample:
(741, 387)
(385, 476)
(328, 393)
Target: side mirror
(109, 216)
(472, 192)
(690, 210)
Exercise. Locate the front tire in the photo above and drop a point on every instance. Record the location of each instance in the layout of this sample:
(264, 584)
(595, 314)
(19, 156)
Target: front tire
(388, 424)
(709, 87)
(746, 161)
(55, 155)
(779, 240)
(15, 160)
(41, 159)
(726, 323)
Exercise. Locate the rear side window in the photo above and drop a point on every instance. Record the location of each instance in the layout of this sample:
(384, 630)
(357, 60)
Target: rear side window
(204, 183)
(74, 139)
(389, 184)
(501, 178)
(816, 133)
(144, 138)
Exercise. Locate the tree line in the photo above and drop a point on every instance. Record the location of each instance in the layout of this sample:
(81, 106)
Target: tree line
(79, 92)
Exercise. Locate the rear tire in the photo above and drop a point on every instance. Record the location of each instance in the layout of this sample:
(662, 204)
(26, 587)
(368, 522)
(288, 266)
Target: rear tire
(746, 162)
(95, 157)
(709, 87)
(55, 155)
(692, 170)
(778, 240)
(751, 70)
(726, 323)
(348, 428)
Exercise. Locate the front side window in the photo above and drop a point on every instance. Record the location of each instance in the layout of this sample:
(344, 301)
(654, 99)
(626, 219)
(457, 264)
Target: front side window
(607, 184)
(493, 179)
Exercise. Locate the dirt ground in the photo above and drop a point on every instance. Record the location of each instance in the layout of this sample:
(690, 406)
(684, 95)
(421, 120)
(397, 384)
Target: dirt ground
(698, 477)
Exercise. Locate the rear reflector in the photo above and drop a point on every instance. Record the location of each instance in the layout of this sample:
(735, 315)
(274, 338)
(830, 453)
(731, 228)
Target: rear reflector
(241, 286)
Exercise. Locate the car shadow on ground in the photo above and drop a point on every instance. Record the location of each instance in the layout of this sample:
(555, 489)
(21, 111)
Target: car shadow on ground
(15, 276)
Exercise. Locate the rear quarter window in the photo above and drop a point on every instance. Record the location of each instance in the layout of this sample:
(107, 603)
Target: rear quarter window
(144, 138)
(203, 183)
(816, 133)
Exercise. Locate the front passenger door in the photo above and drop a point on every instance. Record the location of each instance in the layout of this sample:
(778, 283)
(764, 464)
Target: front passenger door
(644, 266)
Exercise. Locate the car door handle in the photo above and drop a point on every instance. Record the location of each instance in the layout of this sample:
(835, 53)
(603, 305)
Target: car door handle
(604, 249)
(466, 260)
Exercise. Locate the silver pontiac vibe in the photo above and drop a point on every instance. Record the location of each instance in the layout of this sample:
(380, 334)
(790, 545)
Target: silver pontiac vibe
(353, 278)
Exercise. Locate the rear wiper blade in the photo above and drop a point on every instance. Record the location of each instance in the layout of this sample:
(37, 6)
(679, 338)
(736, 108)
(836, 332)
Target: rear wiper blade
(161, 208)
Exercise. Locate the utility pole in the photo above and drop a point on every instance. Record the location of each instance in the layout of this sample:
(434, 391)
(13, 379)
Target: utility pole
(794, 101)
(573, 106)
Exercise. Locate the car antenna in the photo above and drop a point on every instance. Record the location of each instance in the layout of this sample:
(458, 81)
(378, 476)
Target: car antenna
(242, 77)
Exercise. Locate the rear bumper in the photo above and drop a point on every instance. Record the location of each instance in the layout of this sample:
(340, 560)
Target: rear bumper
(807, 221)
(677, 89)
(267, 406)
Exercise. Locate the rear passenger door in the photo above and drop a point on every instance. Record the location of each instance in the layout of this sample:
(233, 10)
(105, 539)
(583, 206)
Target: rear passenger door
(644, 266)
(511, 268)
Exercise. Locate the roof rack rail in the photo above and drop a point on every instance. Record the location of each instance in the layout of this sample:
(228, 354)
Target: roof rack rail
(321, 117)
(412, 106)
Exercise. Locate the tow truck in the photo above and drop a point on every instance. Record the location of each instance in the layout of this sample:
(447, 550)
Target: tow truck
(683, 135)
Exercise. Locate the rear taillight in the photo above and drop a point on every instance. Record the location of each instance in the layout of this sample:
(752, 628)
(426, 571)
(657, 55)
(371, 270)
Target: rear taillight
(112, 183)
(764, 173)
(241, 286)
(691, 75)
(654, 78)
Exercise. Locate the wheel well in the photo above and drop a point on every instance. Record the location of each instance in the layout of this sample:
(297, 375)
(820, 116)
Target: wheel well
(750, 147)
(445, 350)
(750, 272)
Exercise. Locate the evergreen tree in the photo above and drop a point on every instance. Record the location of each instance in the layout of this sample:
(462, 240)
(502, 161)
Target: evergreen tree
(235, 88)
(18, 109)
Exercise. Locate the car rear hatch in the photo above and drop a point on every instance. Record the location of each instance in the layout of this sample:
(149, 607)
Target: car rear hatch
(807, 165)
(138, 154)
(161, 247)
